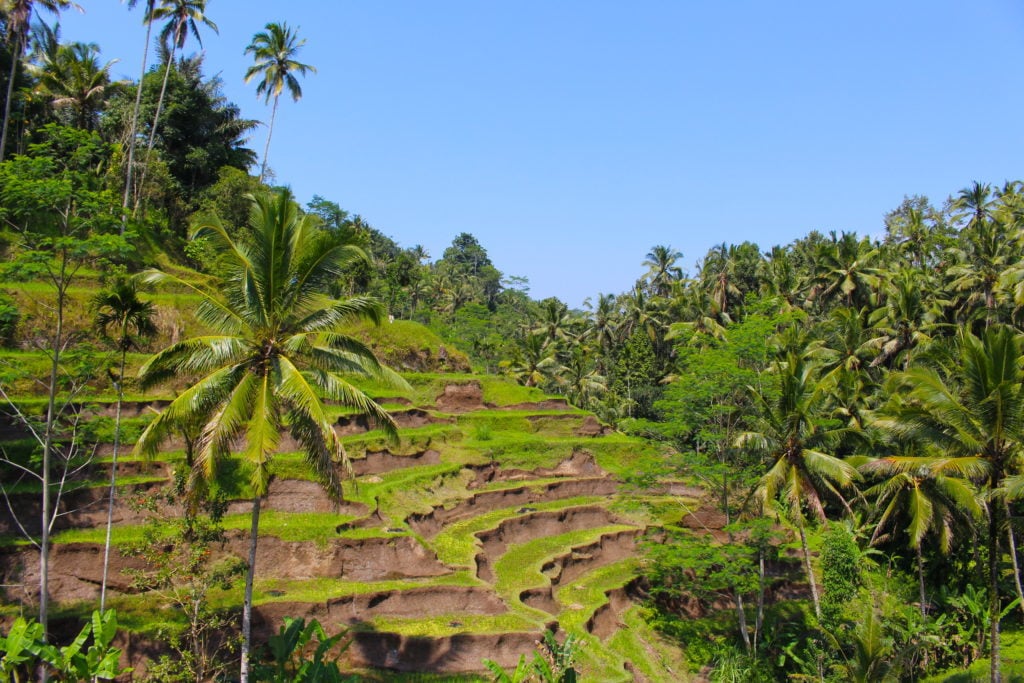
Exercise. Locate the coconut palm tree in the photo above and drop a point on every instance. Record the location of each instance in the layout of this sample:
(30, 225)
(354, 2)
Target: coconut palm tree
(73, 79)
(793, 432)
(932, 494)
(274, 50)
(662, 270)
(19, 20)
(975, 411)
(275, 353)
(183, 17)
(120, 310)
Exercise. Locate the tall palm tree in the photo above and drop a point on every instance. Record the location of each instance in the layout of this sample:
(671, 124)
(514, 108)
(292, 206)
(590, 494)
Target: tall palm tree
(19, 20)
(932, 494)
(73, 79)
(119, 309)
(793, 432)
(662, 270)
(276, 352)
(182, 18)
(976, 411)
(274, 50)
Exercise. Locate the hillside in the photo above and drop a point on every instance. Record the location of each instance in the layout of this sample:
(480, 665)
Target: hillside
(501, 513)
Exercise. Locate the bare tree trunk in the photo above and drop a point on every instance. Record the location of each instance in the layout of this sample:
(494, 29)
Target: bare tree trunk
(133, 133)
(247, 603)
(113, 481)
(808, 569)
(995, 675)
(759, 620)
(15, 58)
(1013, 557)
(156, 123)
(270, 131)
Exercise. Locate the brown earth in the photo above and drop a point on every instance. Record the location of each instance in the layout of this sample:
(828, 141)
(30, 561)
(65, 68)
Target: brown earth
(356, 609)
(460, 653)
(607, 618)
(428, 525)
(579, 464)
(364, 559)
(578, 561)
(535, 525)
(462, 398)
(379, 462)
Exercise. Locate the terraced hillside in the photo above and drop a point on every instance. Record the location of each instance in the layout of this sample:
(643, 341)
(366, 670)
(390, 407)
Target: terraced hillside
(502, 513)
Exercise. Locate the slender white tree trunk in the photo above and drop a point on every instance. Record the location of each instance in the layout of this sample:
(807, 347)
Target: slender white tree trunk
(135, 123)
(270, 132)
(156, 123)
(247, 602)
(113, 480)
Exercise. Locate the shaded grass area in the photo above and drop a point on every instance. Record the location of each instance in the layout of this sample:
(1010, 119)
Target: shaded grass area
(442, 625)
(326, 588)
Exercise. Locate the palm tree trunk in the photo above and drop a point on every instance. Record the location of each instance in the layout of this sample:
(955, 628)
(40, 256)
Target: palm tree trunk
(1013, 556)
(759, 619)
(808, 569)
(15, 58)
(113, 479)
(156, 122)
(270, 131)
(247, 603)
(920, 581)
(135, 123)
(995, 676)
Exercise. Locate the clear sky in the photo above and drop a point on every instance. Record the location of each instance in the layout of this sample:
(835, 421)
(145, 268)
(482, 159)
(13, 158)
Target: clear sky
(571, 136)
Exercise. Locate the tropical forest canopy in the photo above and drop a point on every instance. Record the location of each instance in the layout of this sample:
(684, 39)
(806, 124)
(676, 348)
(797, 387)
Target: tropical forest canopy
(862, 392)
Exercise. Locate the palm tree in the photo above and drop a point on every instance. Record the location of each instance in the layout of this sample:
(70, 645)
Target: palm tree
(792, 430)
(276, 352)
(662, 270)
(183, 17)
(19, 20)
(932, 494)
(120, 309)
(274, 50)
(976, 412)
(72, 78)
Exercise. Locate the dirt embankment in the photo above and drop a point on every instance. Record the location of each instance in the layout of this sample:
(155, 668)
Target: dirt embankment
(428, 525)
(579, 464)
(535, 525)
(379, 462)
(578, 561)
(360, 609)
(460, 653)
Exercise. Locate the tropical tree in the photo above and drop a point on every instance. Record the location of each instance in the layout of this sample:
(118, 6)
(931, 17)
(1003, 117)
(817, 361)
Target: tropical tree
(274, 50)
(792, 430)
(275, 353)
(976, 411)
(73, 79)
(18, 14)
(119, 310)
(931, 494)
(182, 18)
(662, 270)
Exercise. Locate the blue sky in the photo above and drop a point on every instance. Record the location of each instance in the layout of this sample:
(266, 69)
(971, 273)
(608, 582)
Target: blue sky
(570, 137)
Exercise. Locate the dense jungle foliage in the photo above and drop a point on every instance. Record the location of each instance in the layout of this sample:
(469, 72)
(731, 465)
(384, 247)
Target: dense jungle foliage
(851, 402)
